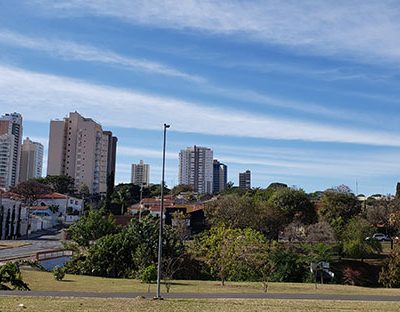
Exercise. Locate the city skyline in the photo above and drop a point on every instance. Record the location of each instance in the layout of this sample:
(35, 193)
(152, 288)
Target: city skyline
(270, 88)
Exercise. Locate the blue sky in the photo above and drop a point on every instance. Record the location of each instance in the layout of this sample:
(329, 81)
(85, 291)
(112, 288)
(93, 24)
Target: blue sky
(301, 92)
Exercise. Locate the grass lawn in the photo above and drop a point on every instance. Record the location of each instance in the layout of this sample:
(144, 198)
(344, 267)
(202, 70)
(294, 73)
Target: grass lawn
(176, 305)
(39, 280)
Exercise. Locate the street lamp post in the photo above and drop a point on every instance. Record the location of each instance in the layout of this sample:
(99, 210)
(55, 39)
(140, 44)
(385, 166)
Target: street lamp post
(160, 233)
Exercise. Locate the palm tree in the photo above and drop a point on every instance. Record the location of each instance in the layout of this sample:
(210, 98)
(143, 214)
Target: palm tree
(121, 198)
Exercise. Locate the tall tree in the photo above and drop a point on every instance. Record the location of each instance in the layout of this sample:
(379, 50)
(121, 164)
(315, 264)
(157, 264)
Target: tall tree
(122, 197)
(294, 205)
(30, 191)
(355, 242)
(61, 184)
(337, 208)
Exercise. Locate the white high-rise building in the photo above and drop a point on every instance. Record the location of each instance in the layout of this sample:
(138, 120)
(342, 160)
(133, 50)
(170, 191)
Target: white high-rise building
(140, 174)
(10, 149)
(79, 148)
(31, 160)
(196, 168)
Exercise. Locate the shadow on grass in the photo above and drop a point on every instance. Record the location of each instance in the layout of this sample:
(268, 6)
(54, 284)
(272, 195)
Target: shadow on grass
(180, 284)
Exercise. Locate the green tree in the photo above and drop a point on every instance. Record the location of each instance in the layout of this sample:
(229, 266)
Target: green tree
(149, 274)
(110, 191)
(227, 252)
(180, 188)
(290, 265)
(59, 183)
(92, 226)
(337, 207)
(355, 244)
(121, 198)
(155, 190)
(30, 191)
(233, 211)
(294, 205)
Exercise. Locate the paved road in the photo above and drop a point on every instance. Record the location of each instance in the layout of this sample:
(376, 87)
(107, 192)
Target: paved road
(43, 241)
(200, 295)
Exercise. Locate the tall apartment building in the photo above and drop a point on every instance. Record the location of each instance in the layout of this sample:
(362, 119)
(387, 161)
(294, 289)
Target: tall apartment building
(31, 160)
(245, 179)
(140, 174)
(220, 176)
(79, 148)
(10, 149)
(196, 168)
(111, 156)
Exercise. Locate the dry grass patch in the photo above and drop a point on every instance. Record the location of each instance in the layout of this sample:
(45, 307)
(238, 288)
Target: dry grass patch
(176, 305)
(43, 281)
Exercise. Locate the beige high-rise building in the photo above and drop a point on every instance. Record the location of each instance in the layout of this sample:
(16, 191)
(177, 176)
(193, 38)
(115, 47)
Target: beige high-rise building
(79, 148)
(10, 149)
(140, 174)
(31, 160)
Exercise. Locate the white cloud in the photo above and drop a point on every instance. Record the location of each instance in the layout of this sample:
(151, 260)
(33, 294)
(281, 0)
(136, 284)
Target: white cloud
(363, 30)
(43, 97)
(73, 51)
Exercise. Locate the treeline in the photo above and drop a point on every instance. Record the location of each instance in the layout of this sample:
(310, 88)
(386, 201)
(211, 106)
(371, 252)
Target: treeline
(271, 234)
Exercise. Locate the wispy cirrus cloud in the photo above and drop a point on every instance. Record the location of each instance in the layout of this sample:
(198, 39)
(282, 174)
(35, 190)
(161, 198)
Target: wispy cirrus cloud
(362, 30)
(74, 51)
(79, 52)
(286, 161)
(41, 97)
(138, 152)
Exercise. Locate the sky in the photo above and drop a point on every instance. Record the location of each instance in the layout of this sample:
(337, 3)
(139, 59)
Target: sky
(300, 92)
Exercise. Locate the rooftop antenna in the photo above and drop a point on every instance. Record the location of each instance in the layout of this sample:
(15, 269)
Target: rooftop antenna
(356, 187)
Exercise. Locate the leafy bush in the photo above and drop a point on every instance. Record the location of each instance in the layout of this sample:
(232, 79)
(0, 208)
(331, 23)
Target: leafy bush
(59, 273)
(149, 274)
(390, 274)
(290, 265)
(233, 254)
(10, 277)
(125, 253)
(91, 227)
(355, 244)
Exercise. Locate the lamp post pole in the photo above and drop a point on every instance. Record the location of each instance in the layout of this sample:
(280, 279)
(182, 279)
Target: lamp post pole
(160, 233)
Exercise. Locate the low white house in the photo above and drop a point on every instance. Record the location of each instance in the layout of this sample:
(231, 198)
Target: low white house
(66, 205)
(47, 211)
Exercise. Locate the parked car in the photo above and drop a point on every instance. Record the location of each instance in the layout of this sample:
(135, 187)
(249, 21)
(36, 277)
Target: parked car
(379, 237)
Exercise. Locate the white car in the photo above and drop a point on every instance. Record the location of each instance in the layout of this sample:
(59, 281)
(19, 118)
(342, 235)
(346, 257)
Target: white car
(379, 237)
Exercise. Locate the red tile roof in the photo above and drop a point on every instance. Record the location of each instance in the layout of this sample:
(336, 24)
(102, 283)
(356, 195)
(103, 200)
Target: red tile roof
(53, 196)
(39, 207)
